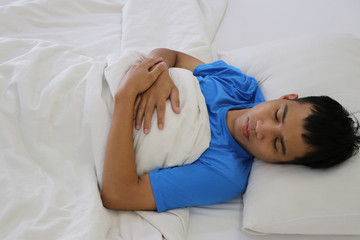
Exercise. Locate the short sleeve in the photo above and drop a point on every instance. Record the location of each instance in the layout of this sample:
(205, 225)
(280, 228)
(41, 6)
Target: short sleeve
(224, 84)
(191, 185)
(219, 68)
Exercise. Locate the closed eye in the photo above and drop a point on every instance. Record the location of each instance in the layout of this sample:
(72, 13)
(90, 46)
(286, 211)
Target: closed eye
(276, 113)
(275, 144)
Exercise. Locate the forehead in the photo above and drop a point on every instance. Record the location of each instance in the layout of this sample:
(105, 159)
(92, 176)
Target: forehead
(293, 128)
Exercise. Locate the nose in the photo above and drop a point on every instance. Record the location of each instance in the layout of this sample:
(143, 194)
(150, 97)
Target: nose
(266, 129)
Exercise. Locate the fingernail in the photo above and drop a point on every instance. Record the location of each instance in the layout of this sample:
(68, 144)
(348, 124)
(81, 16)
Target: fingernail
(146, 130)
(137, 126)
(161, 126)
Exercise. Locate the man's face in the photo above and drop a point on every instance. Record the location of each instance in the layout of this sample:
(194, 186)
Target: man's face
(271, 131)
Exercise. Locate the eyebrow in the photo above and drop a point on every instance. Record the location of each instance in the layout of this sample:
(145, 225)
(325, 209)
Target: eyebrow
(282, 138)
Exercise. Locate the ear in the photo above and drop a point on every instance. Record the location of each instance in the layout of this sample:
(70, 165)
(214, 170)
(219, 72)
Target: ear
(290, 96)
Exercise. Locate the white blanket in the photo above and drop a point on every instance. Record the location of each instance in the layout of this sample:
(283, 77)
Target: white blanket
(55, 108)
(47, 176)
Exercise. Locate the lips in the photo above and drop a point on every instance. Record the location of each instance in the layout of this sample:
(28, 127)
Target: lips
(245, 129)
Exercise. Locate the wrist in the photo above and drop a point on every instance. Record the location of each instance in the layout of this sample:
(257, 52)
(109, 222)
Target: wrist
(125, 95)
(165, 75)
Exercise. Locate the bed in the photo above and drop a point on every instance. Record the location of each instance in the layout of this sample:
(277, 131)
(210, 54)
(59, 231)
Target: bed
(57, 78)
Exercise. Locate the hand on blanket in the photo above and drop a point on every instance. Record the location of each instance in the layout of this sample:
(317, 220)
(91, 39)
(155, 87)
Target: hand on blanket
(140, 77)
(155, 97)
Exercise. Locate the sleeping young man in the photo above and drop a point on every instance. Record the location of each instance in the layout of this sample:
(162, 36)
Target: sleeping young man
(315, 131)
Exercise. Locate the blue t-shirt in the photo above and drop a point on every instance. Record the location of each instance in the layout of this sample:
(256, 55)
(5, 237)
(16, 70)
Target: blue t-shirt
(222, 171)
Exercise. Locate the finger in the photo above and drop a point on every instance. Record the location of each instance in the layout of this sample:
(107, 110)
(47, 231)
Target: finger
(174, 99)
(160, 109)
(136, 105)
(150, 62)
(140, 113)
(157, 70)
(149, 111)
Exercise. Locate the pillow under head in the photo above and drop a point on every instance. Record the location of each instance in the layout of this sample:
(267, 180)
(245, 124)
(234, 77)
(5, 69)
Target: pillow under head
(294, 199)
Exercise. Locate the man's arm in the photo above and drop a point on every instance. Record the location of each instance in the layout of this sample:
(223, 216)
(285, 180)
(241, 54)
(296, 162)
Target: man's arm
(174, 58)
(163, 89)
(122, 188)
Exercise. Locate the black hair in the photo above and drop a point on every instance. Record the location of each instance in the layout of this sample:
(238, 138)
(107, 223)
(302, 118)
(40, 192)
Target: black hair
(331, 131)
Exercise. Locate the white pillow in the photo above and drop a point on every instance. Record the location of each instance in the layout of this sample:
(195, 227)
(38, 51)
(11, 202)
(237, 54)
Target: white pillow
(185, 136)
(295, 199)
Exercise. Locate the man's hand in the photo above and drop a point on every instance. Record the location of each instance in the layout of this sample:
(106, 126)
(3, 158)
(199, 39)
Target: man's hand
(140, 77)
(162, 89)
(155, 97)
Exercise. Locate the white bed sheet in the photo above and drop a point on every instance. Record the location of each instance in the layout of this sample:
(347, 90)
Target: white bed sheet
(247, 23)
(48, 191)
(93, 27)
(55, 109)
